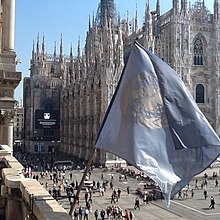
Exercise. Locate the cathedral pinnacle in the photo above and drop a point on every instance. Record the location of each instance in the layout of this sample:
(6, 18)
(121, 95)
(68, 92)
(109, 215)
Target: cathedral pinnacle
(61, 48)
(158, 8)
(54, 51)
(136, 20)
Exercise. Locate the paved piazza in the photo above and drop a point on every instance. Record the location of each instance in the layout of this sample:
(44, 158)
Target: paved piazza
(184, 209)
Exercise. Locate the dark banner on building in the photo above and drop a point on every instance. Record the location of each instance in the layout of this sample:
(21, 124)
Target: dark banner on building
(47, 119)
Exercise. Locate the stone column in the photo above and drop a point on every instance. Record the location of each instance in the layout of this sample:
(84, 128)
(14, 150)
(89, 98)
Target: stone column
(8, 134)
(6, 127)
(14, 206)
(8, 24)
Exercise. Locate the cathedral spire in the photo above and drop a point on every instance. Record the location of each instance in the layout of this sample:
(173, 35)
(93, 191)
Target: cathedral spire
(147, 6)
(89, 23)
(158, 8)
(61, 47)
(216, 10)
(127, 25)
(136, 20)
(147, 12)
(33, 55)
(43, 50)
(176, 6)
(54, 50)
(93, 20)
(184, 6)
(107, 8)
(71, 51)
(148, 20)
(78, 50)
(38, 47)
(120, 47)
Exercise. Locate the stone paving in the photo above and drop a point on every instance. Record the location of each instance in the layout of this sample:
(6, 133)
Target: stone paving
(183, 208)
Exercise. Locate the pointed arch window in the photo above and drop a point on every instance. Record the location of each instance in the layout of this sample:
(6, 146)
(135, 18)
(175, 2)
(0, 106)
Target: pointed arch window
(52, 69)
(200, 93)
(198, 51)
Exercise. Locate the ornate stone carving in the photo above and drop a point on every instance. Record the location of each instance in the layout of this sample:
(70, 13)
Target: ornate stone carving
(6, 116)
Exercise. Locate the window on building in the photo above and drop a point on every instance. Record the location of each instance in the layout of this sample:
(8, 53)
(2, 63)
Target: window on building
(200, 93)
(52, 69)
(198, 51)
(36, 148)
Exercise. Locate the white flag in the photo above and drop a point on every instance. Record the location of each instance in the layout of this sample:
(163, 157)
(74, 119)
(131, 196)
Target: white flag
(154, 123)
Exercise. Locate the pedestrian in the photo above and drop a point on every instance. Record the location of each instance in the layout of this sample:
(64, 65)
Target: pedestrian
(86, 214)
(96, 214)
(75, 214)
(131, 215)
(102, 214)
(192, 193)
(80, 213)
(137, 203)
(111, 185)
(128, 190)
(119, 193)
(126, 216)
(216, 183)
(212, 205)
(205, 194)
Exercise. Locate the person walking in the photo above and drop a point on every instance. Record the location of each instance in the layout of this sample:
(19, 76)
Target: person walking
(137, 203)
(212, 204)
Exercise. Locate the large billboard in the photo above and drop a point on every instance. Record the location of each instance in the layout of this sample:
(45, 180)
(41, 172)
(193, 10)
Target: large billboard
(47, 119)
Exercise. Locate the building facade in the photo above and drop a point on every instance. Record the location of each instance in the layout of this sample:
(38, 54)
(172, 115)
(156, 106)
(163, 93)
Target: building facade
(186, 37)
(18, 132)
(9, 78)
(42, 100)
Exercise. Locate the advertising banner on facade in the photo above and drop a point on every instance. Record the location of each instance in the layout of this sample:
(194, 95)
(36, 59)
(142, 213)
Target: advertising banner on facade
(47, 119)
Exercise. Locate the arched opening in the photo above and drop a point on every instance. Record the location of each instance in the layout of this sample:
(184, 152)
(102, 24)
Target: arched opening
(200, 93)
(198, 51)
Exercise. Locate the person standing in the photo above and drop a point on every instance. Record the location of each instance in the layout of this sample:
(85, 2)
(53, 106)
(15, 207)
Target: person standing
(126, 216)
(128, 190)
(96, 214)
(131, 215)
(205, 194)
(75, 214)
(212, 205)
(102, 214)
(86, 214)
(192, 193)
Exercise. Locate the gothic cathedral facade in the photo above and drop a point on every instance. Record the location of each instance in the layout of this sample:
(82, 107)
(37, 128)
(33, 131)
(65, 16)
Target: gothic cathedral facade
(187, 37)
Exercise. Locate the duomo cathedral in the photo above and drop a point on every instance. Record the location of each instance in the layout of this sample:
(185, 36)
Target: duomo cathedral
(74, 91)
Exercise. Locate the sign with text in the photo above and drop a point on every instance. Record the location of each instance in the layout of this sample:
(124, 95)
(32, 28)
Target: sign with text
(47, 119)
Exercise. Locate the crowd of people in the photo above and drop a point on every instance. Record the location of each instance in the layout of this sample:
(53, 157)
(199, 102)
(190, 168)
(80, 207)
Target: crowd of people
(60, 186)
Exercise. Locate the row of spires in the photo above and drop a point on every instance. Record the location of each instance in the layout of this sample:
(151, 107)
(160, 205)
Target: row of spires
(176, 3)
(41, 52)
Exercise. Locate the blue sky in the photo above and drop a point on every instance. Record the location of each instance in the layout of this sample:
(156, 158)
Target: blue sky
(69, 17)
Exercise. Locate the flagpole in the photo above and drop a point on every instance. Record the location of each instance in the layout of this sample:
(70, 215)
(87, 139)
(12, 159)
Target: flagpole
(81, 183)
